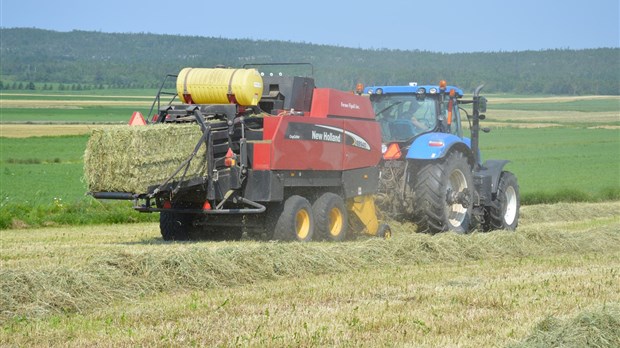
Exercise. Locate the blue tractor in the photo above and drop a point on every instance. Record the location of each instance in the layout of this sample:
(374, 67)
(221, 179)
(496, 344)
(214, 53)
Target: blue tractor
(431, 173)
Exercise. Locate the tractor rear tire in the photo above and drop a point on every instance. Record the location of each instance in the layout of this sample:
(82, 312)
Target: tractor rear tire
(330, 217)
(296, 221)
(442, 195)
(503, 214)
(175, 226)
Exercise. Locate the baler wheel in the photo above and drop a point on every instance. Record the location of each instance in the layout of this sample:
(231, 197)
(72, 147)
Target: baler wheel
(175, 226)
(384, 231)
(330, 215)
(296, 221)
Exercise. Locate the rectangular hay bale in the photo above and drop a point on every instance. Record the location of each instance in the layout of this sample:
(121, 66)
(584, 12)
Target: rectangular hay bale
(133, 158)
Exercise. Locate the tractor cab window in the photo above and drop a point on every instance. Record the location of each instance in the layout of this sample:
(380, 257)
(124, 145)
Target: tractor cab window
(403, 117)
(455, 127)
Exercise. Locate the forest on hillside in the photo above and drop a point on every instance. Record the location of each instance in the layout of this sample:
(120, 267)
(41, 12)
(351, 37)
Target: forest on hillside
(113, 60)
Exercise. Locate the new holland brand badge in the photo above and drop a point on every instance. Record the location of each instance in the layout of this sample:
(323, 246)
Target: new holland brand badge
(317, 132)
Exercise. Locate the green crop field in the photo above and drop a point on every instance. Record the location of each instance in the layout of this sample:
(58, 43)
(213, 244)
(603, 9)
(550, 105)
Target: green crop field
(97, 106)
(595, 104)
(562, 155)
(547, 161)
(39, 169)
(87, 114)
(42, 184)
(578, 163)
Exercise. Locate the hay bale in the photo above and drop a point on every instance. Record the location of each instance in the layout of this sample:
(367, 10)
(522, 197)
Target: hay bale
(131, 159)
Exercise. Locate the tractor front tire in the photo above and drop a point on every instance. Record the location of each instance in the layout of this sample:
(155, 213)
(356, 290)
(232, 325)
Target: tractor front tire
(175, 226)
(442, 195)
(503, 214)
(330, 217)
(296, 221)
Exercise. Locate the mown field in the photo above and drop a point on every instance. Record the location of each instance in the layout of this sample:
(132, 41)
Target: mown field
(554, 282)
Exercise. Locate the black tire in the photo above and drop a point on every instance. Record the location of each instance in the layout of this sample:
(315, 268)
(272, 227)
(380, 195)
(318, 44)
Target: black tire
(218, 233)
(296, 221)
(442, 195)
(503, 214)
(330, 217)
(384, 231)
(175, 226)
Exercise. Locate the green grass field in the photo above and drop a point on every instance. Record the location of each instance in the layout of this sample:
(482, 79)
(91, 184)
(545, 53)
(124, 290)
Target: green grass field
(547, 161)
(581, 105)
(577, 159)
(88, 114)
(42, 185)
(581, 164)
(94, 106)
(39, 169)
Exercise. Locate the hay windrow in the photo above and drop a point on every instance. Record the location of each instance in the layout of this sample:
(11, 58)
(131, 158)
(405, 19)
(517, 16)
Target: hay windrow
(131, 159)
(113, 275)
(598, 327)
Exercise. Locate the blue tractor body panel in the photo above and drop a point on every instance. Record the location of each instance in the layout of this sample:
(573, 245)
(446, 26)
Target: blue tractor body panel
(424, 89)
(434, 145)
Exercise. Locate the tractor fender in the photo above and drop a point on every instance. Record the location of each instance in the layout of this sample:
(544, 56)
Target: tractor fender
(493, 168)
(432, 146)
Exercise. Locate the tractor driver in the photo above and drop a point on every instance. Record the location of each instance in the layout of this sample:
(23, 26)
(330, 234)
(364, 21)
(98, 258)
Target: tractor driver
(420, 112)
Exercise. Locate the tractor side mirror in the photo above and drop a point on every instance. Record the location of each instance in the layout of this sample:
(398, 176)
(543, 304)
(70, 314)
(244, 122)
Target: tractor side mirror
(482, 105)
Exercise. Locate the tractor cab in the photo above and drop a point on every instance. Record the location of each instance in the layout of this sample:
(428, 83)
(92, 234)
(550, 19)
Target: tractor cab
(405, 112)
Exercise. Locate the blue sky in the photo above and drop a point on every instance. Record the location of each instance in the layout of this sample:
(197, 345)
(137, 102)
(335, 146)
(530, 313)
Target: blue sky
(448, 26)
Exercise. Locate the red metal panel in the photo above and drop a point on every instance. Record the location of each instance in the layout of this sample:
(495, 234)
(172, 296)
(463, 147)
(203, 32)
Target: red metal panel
(330, 102)
(316, 142)
(262, 156)
(270, 124)
(363, 144)
(304, 143)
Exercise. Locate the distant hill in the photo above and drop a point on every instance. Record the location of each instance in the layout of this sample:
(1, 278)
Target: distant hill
(142, 60)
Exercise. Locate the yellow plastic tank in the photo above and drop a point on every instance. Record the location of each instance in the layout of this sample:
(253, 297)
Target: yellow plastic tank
(213, 86)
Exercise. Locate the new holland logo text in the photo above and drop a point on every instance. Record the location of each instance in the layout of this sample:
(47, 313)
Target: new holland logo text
(327, 136)
(317, 132)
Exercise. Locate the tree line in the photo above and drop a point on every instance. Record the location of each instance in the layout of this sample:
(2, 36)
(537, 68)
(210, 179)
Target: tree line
(112, 60)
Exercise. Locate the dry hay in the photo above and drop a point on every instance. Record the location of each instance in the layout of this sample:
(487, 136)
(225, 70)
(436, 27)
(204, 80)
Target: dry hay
(114, 274)
(599, 327)
(131, 159)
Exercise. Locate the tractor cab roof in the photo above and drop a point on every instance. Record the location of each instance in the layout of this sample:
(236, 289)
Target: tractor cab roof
(412, 88)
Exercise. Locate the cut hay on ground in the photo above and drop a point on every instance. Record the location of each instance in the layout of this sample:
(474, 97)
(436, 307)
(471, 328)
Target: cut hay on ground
(599, 327)
(112, 274)
(132, 159)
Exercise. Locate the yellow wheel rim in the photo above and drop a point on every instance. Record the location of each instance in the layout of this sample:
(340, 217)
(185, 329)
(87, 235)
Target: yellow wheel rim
(335, 222)
(302, 224)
